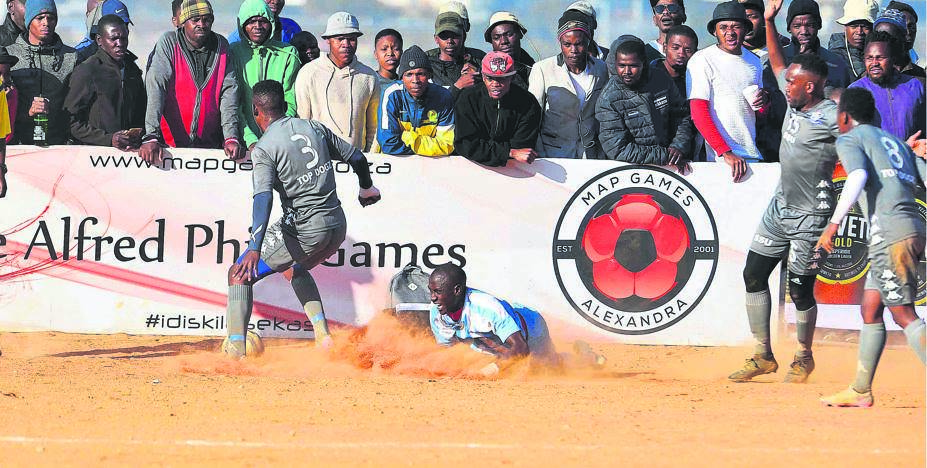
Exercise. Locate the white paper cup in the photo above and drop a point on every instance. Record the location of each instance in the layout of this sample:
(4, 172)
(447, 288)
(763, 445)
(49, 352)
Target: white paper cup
(750, 94)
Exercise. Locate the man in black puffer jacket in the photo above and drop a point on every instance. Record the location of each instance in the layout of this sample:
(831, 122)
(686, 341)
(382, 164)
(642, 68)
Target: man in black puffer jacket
(495, 120)
(642, 118)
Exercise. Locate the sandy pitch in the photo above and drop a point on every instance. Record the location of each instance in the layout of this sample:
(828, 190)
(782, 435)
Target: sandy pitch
(385, 398)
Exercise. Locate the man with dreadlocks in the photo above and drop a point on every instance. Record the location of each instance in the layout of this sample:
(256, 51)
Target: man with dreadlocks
(41, 74)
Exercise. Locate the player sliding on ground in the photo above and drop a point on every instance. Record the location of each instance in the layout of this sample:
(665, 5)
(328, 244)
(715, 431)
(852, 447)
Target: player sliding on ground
(889, 172)
(293, 157)
(491, 325)
(799, 210)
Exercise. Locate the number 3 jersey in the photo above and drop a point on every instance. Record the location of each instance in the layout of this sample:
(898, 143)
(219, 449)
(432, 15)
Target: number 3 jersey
(893, 176)
(294, 157)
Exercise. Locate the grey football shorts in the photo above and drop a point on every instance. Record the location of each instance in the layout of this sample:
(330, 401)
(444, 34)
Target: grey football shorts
(893, 270)
(283, 246)
(783, 229)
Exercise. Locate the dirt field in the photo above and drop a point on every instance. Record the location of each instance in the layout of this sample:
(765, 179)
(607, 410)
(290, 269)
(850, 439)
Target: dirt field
(382, 398)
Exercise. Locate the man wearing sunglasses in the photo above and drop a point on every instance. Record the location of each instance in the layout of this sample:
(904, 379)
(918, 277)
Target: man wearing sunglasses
(666, 14)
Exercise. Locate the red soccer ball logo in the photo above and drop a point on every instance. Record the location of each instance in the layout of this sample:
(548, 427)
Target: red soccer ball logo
(640, 221)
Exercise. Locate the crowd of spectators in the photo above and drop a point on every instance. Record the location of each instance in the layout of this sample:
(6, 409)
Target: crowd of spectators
(658, 100)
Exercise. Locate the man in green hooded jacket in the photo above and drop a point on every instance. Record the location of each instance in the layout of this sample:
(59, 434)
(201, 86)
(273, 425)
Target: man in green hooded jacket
(258, 57)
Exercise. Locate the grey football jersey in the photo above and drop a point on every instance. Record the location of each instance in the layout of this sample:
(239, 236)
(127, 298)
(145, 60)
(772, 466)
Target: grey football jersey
(807, 158)
(294, 157)
(893, 176)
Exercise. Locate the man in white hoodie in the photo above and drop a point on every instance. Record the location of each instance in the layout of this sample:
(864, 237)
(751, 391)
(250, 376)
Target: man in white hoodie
(338, 90)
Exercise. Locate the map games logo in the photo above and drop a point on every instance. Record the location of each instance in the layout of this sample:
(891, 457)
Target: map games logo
(635, 250)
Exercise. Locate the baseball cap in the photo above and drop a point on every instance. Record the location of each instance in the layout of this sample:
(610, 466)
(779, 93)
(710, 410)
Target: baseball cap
(460, 9)
(108, 7)
(498, 65)
(503, 17)
(451, 22)
(342, 23)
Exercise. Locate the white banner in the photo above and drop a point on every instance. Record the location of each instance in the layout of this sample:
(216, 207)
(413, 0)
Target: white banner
(95, 241)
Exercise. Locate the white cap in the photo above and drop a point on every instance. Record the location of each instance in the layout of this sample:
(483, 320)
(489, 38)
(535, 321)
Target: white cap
(859, 10)
(341, 23)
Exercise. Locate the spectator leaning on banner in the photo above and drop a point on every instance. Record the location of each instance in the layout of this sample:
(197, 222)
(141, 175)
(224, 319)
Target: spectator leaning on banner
(899, 99)
(455, 65)
(716, 79)
(497, 121)
(256, 58)
(416, 116)
(804, 23)
(307, 46)
(643, 118)
(284, 28)
(108, 108)
(858, 17)
(15, 25)
(192, 89)
(88, 46)
(588, 11)
(666, 14)
(41, 74)
(504, 34)
(567, 87)
(338, 90)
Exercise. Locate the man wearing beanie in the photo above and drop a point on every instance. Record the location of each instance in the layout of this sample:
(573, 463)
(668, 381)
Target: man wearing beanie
(588, 11)
(192, 89)
(803, 22)
(716, 78)
(567, 87)
(895, 23)
(41, 74)
(417, 116)
(495, 120)
(454, 65)
(504, 34)
(858, 17)
(338, 90)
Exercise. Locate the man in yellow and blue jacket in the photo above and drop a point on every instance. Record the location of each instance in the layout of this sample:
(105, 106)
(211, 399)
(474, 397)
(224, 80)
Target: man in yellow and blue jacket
(415, 115)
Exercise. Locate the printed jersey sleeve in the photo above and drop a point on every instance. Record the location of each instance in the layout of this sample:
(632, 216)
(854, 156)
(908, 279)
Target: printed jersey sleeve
(264, 171)
(851, 152)
(493, 311)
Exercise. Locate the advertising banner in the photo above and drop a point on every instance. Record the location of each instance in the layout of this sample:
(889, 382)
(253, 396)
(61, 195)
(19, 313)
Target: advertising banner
(97, 241)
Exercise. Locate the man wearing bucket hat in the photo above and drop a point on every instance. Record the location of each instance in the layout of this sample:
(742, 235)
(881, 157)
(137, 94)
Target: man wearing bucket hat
(722, 82)
(803, 22)
(504, 34)
(455, 65)
(338, 90)
(192, 89)
(497, 121)
(858, 17)
(417, 117)
(567, 87)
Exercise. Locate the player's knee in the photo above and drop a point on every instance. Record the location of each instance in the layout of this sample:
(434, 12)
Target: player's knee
(801, 290)
(754, 282)
(233, 279)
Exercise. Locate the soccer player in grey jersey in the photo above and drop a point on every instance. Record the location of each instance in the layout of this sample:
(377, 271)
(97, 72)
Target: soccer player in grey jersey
(798, 212)
(890, 173)
(293, 158)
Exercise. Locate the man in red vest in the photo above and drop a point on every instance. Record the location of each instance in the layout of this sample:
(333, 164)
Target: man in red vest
(192, 89)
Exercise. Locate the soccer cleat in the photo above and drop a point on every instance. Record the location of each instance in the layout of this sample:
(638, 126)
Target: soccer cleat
(800, 369)
(849, 398)
(757, 365)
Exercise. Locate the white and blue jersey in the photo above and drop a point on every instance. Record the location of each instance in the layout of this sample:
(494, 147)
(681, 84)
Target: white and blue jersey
(485, 316)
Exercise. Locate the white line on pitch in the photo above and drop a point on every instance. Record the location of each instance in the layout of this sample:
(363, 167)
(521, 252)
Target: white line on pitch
(423, 445)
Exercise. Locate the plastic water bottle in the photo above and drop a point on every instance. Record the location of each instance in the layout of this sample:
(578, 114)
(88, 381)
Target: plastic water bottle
(40, 130)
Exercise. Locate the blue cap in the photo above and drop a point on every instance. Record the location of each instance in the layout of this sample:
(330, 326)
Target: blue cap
(115, 7)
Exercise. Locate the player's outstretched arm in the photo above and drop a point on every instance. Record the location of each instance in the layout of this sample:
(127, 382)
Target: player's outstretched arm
(514, 346)
(852, 188)
(368, 193)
